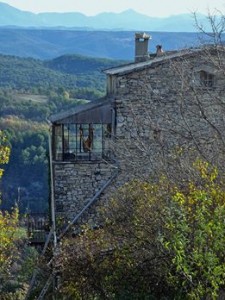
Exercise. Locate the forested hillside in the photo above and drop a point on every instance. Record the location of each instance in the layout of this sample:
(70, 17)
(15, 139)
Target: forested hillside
(30, 91)
(50, 43)
(68, 71)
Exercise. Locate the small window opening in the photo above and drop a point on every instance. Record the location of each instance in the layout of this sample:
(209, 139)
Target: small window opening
(207, 79)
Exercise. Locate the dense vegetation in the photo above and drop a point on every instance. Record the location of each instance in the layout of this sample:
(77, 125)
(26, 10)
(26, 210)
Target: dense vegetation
(68, 71)
(30, 91)
(158, 240)
(17, 259)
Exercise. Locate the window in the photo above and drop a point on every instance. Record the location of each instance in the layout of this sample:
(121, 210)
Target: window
(72, 142)
(206, 79)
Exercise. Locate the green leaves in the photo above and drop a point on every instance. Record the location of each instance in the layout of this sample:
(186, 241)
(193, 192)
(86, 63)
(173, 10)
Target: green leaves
(9, 234)
(4, 151)
(197, 239)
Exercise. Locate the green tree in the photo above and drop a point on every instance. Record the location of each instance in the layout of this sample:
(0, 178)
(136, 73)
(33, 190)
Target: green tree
(10, 233)
(195, 235)
(123, 258)
(9, 236)
(4, 151)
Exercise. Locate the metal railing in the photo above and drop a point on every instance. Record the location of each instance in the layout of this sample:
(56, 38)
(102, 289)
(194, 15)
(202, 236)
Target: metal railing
(37, 225)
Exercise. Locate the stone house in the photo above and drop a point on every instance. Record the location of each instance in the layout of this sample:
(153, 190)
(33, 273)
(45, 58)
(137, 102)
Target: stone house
(157, 109)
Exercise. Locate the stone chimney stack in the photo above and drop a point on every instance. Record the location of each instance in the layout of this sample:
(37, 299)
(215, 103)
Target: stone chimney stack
(141, 46)
(159, 50)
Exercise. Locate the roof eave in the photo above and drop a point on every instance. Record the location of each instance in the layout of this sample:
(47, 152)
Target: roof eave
(76, 111)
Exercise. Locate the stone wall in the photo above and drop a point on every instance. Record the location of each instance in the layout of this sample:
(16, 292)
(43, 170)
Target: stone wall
(77, 183)
(163, 112)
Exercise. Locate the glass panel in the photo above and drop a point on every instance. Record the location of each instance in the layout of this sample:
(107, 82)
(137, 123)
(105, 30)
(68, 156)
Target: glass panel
(69, 142)
(97, 138)
(97, 144)
(107, 132)
(86, 138)
(57, 147)
(81, 141)
(72, 138)
(84, 141)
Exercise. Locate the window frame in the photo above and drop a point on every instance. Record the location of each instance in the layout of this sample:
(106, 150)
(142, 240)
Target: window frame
(68, 142)
(207, 79)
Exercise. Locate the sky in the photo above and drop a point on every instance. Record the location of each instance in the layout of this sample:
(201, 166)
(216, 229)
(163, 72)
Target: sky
(154, 8)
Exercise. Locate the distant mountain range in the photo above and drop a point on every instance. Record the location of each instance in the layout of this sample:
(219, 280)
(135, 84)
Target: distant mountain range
(108, 35)
(48, 44)
(127, 20)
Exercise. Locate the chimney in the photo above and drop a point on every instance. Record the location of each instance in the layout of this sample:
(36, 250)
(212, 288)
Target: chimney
(159, 50)
(141, 46)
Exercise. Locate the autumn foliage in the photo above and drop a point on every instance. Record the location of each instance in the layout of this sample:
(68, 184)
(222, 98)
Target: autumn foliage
(9, 229)
(4, 151)
(9, 234)
(156, 239)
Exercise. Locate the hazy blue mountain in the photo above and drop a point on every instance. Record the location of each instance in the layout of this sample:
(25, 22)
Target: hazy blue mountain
(13, 16)
(47, 44)
(63, 19)
(127, 20)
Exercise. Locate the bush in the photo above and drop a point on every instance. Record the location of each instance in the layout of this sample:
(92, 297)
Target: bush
(156, 240)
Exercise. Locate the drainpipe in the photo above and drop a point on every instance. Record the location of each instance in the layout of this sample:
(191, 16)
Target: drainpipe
(114, 123)
(54, 279)
(53, 219)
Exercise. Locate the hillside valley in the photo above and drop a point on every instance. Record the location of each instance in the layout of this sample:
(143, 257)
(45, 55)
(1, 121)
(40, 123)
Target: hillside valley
(30, 91)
